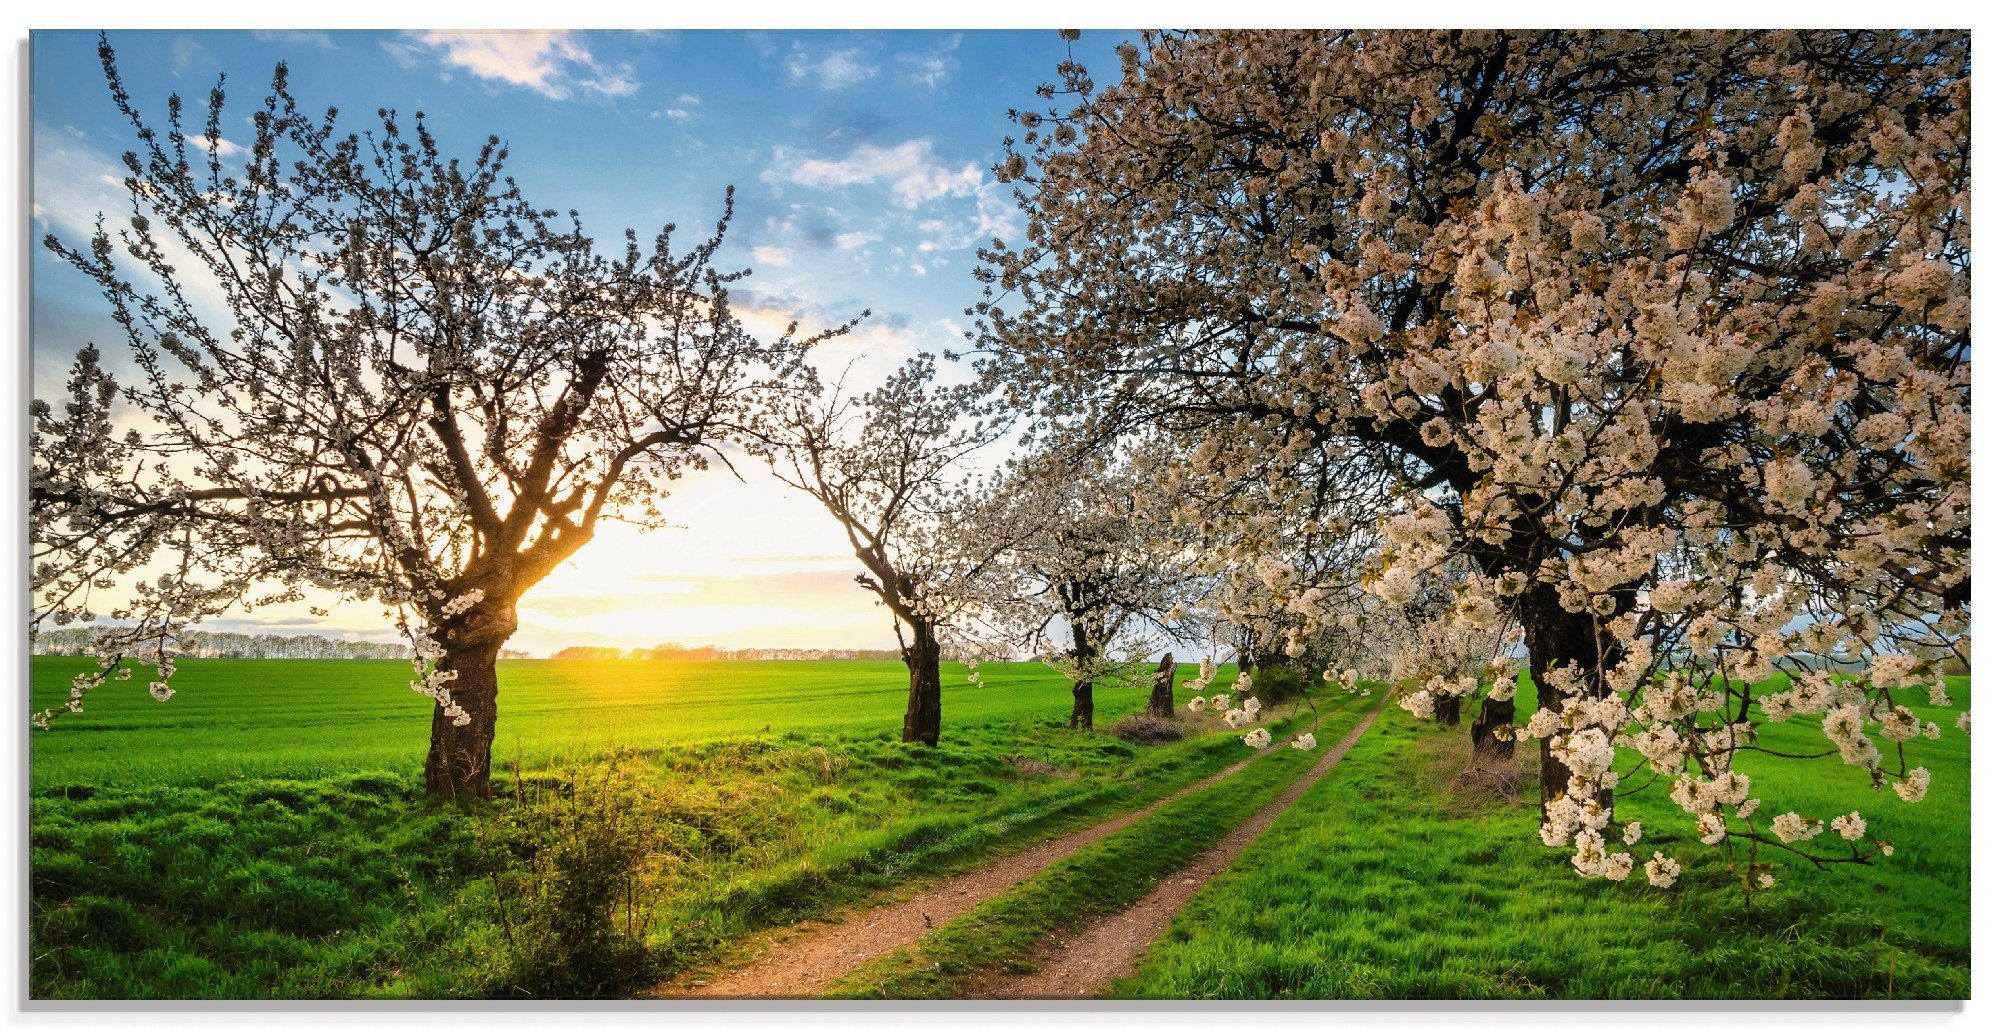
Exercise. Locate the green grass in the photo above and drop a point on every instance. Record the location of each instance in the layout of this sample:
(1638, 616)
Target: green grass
(1100, 879)
(308, 719)
(1385, 883)
(264, 835)
(163, 868)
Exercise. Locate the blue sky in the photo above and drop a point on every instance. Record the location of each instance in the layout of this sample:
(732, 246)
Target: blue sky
(861, 162)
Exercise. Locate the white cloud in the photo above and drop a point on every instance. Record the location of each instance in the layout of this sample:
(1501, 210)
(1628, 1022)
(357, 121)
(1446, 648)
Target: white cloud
(912, 170)
(930, 68)
(556, 64)
(775, 256)
(854, 240)
(834, 70)
(867, 353)
(222, 147)
(675, 113)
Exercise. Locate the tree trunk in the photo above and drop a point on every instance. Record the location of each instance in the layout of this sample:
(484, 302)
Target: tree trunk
(1555, 638)
(1447, 709)
(1083, 706)
(1161, 703)
(1488, 750)
(1246, 652)
(924, 713)
(460, 763)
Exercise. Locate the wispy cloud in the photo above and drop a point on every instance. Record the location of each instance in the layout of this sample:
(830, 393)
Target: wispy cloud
(296, 37)
(186, 50)
(879, 343)
(683, 108)
(74, 184)
(556, 64)
(930, 68)
(912, 170)
(833, 69)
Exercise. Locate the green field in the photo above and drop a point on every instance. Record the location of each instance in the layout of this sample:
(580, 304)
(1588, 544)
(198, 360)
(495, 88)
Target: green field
(304, 719)
(264, 834)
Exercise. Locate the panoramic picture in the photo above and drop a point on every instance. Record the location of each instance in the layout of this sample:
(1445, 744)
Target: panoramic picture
(693, 516)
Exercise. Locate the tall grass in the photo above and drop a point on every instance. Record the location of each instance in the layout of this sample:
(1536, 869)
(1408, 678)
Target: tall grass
(576, 862)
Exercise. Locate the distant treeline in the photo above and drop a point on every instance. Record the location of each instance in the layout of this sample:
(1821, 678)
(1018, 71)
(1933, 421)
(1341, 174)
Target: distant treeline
(77, 643)
(678, 652)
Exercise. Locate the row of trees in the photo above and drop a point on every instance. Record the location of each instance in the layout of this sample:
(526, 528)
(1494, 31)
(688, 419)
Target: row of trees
(362, 367)
(1660, 340)
(1642, 355)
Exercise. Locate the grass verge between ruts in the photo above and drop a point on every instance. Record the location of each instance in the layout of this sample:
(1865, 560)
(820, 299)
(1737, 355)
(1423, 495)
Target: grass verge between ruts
(879, 866)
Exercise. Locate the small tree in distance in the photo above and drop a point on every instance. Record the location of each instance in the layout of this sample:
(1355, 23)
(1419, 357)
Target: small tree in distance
(888, 467)
(369, 370)
(1096, 576)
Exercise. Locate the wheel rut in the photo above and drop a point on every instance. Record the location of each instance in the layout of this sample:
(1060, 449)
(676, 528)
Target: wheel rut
(805, 960)
(1087, 962)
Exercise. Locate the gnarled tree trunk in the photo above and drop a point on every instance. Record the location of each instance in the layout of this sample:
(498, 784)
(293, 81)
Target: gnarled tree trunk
(1555, 638)
(1447, 709)
(460, 763)
(1489, 750)
(1082, 705)
(924, 714)
(1161, 703)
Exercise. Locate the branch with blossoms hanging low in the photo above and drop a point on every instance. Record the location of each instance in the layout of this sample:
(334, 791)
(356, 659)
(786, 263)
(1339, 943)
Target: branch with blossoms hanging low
(1665, 333)
(1698, 655)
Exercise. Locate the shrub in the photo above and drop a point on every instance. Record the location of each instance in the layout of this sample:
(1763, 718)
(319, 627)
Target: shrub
(1275, 685)
(574, 864)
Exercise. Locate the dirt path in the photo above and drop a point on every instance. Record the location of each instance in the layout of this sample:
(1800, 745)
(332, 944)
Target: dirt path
(1087, 963)
(803, 962)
